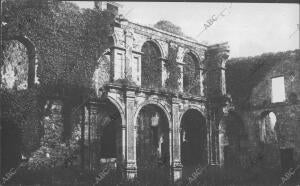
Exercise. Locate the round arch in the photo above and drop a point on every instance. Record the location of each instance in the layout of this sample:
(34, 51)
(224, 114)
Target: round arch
(153, 140)
(156, 103)
(193, 140)
(32, 57)
(151, 65)
(118, 105)
(191, 73)
(194, 107)
(107, 133)
(269, 143)
(197, 57)
(26, 41)
(267, 121)
(158, 45)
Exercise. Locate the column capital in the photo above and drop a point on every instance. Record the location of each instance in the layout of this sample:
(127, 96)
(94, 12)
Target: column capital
(177, 164)
(218, 53)
(92, 105)
(130, 94)
(175, 101)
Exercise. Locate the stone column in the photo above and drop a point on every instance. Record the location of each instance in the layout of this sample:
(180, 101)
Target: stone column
(180, 81)
(216, 57)
(137, 67)
(128, 54)
(201, 73)
(176, 155)
(164, 73)
(223, 141)
(214, 150)
(92, 122)
(131, 167)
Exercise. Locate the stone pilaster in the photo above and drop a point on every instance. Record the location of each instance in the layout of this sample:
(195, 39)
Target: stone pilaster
(131, 167)
(223, 141)
(180, 83)
(128, 54)
(92, 122)
(164, 73)
(176, 156)
(201, 76)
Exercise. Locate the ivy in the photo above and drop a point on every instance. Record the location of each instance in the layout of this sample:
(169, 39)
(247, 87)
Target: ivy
(68, 42)
(191, 75)
(174, 72)
(151, 66)
(244, 73)
(23, 110)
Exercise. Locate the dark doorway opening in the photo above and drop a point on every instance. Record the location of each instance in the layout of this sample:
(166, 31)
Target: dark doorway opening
(108, 141)
(152, 141)
(102, 137)
(193, 141)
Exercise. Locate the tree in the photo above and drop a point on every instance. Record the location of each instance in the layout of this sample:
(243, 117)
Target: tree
(169, 27)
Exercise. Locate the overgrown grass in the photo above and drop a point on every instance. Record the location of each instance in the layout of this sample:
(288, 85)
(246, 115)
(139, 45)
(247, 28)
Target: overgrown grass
(156, 176)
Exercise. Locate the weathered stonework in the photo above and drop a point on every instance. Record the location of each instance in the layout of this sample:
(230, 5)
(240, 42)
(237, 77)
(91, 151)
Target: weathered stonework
(126, 63)
(258, 103)
(133, 99)
(122, 62)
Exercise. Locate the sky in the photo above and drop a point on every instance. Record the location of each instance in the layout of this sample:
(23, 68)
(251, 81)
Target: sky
(249, 28)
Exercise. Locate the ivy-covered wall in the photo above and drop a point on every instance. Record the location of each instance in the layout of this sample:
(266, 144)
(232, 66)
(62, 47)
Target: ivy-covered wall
(59, 46)
(249, 81)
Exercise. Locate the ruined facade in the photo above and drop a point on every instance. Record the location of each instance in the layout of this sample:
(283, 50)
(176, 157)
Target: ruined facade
(154, 125)
(139, 124)
(265, 92)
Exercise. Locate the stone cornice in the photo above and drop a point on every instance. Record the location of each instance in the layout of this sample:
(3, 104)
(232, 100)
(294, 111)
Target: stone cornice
(137, 52)
(118, 47)
(157, 92)
(168, 35)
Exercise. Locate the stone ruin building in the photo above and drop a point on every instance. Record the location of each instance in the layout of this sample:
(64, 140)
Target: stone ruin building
(229, 115)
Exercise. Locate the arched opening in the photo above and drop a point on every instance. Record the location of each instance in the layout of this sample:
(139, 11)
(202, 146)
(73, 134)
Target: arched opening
(268, 142)
(151, 75)
(152, 140)
(17, 72)
(232, 140)
(15, 69)
(18, 69)
(191, 74)
(267, 127)
(103, 137)
(193, 141)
